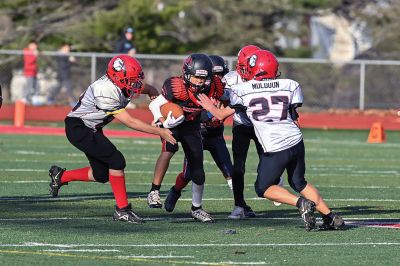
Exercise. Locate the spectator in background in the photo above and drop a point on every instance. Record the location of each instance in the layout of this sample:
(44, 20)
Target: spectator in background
(30, 71)
(64, 61)
(125, 43)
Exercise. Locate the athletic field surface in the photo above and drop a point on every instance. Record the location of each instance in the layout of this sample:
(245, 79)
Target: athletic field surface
(360, 181)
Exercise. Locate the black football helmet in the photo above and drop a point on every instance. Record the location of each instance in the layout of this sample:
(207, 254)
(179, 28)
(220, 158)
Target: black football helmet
(219, 65)
(197, 65)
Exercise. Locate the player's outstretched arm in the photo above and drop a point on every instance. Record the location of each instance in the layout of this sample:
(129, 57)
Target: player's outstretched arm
(139, 125)
(219, 113)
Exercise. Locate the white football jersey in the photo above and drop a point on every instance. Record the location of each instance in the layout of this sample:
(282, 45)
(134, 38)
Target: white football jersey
(267, 104)
(99, 103)
(232, 78)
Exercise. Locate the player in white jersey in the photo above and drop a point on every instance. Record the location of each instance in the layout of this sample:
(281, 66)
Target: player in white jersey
(271, 104)
(103, 101)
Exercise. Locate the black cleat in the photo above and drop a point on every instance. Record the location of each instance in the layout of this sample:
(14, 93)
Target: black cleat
(55, 174)
(172, 199)
(248, 212)
(307, 209)
(126, 215)
(335, 222)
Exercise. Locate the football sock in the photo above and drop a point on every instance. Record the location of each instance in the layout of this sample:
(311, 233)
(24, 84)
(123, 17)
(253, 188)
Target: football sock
(299, 202)
(155, 187)
(180, 182)
(238, 188)
(195, 208)
(119, 189)
(76, 175)
(328, 216)
(197, 194)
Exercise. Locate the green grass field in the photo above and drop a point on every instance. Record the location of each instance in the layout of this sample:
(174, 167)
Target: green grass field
(360, 181)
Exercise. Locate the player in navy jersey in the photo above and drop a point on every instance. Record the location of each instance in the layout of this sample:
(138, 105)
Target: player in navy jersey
(183, 90)
(212, 132)
(104, 100)
(271, 105)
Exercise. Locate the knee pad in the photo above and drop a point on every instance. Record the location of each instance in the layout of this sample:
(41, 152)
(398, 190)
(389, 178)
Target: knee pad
(260, 190)
(298, 185)
(198, 177)
(117, 161)
(101, 176)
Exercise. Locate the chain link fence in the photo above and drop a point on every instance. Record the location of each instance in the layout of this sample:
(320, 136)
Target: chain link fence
(359, 84)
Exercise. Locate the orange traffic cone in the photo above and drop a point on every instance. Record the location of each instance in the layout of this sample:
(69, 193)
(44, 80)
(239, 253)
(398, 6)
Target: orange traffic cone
(19, 113)
(377, 133)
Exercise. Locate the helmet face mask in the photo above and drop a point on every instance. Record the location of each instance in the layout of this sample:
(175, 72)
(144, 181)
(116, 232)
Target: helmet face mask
(198, 66)
(242, 60)
(262, 65)
(126, 73)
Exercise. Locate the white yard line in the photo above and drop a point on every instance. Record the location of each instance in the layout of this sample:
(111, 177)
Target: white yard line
(168, 218)
(153, 257)
(143, 197)
(210, 185)
(81, 250)
(77, 245)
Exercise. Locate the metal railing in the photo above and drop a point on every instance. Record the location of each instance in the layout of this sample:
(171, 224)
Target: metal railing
(358, 84)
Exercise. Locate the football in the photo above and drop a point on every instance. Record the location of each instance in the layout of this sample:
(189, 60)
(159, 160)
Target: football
(177, 111)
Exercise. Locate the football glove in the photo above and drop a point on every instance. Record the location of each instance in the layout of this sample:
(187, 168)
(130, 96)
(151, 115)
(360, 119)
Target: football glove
(171, 121)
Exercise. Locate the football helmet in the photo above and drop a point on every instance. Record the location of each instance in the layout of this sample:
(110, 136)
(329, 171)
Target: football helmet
(219, 65)
(197, 65)
(243, 56)
(262, 65)
(126, 73)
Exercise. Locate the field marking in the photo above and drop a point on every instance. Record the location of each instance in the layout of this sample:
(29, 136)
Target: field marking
(38, 244)
(210, 185)
(81, 250)
(224, 218)
(153, 257)
(143, 197)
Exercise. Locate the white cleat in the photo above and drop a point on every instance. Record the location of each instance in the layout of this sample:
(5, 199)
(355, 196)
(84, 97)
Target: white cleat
(154, 199)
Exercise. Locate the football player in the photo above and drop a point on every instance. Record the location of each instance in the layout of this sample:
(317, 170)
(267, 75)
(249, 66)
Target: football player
(183, 90)
(212, 132)
(1, 97)
(271, 104)
(104, 100)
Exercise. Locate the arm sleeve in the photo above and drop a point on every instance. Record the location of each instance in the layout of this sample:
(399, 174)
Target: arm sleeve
(155, 106)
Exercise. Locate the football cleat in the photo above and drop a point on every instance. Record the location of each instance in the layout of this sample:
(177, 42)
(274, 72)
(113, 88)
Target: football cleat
(172, 199)
(332, 223)
(55, 174)
(307, 210)
(126, 215)
(248, 212)
(153, 199)
(242, 213)
(237, 213)
(202, 216)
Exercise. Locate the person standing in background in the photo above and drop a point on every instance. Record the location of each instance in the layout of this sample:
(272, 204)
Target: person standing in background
(64, 61)
(30, 71)
(1, 98)
(125, 44)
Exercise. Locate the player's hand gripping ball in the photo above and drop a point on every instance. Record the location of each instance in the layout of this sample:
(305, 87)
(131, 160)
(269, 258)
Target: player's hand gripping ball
(173, 115)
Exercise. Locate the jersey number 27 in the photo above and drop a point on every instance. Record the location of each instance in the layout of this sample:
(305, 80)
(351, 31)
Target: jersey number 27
(275, 106)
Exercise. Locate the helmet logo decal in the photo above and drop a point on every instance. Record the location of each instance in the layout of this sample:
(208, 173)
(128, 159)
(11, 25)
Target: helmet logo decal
(118, 65)
(252, 60)
(201, 73)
